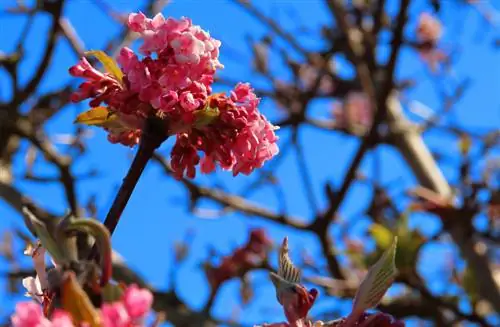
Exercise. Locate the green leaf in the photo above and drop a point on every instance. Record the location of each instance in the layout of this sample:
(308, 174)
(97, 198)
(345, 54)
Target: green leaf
(112, 293)
(465, 144)
(47, 240)
(288, 275)
(206, 116)
(75, 301)
(377, 282)
(382, 235)
(98, 116)
(408, 248)
(109, 64)
(286, 269)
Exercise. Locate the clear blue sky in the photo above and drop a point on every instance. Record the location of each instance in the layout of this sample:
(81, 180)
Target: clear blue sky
(157, 216)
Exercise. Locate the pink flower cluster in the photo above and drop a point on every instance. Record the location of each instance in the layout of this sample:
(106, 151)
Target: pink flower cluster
(130, 311)
(30, 314)
(173, 81)
(243, 259)
(241, 139)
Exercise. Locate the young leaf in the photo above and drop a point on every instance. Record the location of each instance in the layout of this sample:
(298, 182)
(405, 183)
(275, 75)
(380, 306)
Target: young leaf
(75, 301)
(109, 64)
(465, 144)
(286, 269)
(288, 275)
(376, 283)
(206, 116)
(45, 237)
(98, 116)
(111, 293)
(382, 235)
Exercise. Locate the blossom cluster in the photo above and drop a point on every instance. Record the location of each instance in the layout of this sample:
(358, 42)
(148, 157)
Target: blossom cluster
(131, 310)
(173, 82)
(249, 256)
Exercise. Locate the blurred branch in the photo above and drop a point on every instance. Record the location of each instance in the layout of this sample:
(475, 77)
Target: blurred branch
(232, 201)
(55, 9)
(24, 129)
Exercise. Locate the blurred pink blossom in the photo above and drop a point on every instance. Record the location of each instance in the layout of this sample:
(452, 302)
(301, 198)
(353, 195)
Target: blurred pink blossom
(429, 29)
(131, 310)
(355, 111)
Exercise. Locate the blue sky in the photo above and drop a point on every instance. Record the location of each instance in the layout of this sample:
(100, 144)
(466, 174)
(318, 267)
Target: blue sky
(157, 216)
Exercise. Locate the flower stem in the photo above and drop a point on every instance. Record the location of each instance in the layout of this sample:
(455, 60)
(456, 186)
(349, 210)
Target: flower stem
(152, 138)
(145, 152)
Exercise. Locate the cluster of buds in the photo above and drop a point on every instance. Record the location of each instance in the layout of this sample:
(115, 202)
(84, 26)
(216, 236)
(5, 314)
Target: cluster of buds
(131, 309)
(297, 300)
(249, 256)
(76, 292)
(172, 84)
(354, 114)
(428, 32)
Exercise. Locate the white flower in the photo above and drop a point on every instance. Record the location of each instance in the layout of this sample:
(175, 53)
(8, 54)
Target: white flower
(33, 288)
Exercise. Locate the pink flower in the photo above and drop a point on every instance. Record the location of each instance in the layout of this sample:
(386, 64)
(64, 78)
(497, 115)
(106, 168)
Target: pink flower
(29, 314)
(115, 315)
(240, 139)
(356, 111)
(429, 29)
(137, 301)
(172, 85)
(61, 318)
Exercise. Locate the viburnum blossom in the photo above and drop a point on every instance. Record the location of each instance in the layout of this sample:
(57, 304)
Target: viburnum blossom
(29, 314)
(137, 301)
(241, 139)
(173, 82)
(130, 311)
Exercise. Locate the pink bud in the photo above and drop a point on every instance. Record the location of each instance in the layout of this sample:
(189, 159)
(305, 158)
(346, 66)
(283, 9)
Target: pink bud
(137, 301)
(29, 314)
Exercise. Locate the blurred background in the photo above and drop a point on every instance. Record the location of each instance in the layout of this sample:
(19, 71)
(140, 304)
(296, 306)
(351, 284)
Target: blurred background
(429, 171)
